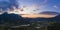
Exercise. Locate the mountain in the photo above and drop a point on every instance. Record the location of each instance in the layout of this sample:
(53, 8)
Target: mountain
(12, 19)
(57, 18)
(17, 19)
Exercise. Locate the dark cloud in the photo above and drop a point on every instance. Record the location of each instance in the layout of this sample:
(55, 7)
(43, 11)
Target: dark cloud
(4, 4)
(49, 13)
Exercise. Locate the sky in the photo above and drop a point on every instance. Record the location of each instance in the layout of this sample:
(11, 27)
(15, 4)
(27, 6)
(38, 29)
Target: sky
(37, 6)
(30, 7)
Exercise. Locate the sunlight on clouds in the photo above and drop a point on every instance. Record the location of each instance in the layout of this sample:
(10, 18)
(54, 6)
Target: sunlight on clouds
(28, 14)
(30, 7)
(38, 15)
(33, 8)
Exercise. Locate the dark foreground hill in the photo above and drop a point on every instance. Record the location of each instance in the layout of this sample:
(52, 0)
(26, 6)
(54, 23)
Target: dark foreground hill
(11, 19)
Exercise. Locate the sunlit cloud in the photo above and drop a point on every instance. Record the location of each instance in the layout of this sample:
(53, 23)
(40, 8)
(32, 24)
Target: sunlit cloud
(25, 10)
(37, 16)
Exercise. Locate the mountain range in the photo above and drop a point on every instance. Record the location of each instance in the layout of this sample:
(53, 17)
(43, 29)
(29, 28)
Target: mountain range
(17, 19)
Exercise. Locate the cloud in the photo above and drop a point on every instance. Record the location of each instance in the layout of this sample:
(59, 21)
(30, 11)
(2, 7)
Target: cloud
(55, 6)
(4, 4)
(45, 1)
